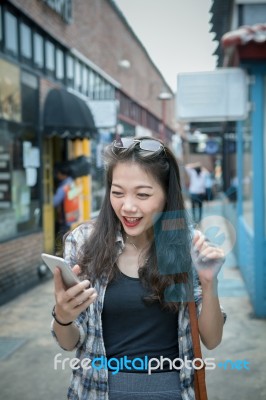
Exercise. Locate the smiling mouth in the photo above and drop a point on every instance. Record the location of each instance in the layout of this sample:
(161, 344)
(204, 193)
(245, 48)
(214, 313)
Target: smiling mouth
(130, 221)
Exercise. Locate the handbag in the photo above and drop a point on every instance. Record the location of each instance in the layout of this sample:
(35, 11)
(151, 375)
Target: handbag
(199, 374)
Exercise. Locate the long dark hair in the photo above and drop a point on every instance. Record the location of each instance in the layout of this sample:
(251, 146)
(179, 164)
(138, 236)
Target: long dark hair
(168, 261)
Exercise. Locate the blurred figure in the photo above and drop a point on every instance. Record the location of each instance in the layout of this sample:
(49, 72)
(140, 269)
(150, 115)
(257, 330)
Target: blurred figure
(66, 201)
(209, 180)
(197, 189)
(232, 190)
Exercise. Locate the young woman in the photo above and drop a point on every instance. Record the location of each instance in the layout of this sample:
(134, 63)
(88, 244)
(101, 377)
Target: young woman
(137, 261)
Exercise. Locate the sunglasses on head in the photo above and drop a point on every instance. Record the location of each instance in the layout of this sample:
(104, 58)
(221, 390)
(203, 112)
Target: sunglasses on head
(144, 144)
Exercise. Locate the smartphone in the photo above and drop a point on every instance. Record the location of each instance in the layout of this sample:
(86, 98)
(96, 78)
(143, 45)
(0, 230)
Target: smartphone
(69, 277)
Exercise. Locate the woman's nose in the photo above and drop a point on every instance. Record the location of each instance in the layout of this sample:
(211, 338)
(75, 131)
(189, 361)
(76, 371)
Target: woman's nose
(129, 205)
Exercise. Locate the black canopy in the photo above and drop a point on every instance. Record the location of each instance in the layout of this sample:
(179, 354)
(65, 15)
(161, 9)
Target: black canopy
(67, 116)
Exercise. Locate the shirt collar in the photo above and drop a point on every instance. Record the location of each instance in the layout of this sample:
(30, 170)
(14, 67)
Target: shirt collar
(119, 237)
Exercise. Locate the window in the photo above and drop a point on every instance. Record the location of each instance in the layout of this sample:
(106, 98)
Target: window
(91, 83)
(59, 65)
(29, 94)
(253, 13)
(70, 71)
(10, 103)
(85, 80)
(96, 91)
(38, 51)
(77, 77)
(25, 41)
(109, 91)
(19, 190)
(101, 88)
(11, 33)
(49, 57)
(19, 153)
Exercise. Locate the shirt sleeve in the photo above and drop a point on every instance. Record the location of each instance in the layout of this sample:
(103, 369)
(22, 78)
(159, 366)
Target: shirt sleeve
(72, 243)
(59, 196)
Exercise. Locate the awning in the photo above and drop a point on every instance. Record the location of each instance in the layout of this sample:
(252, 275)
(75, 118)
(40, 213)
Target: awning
(244, 35)
(67, 116)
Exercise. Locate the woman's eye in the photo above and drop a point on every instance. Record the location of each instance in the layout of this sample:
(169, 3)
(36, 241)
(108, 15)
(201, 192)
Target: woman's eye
(117, 193)
(143, 195)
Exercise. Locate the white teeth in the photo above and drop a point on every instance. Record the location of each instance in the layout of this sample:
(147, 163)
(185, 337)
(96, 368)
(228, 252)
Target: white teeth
(131, 219)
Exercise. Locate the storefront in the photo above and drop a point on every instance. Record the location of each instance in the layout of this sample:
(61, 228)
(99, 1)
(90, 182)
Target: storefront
(43, 121)
(246, 48)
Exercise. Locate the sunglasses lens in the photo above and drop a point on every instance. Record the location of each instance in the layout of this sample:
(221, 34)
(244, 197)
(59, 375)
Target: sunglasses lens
(123, 143)
(150, 145)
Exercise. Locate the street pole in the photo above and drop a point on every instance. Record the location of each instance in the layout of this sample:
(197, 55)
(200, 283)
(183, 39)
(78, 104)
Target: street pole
(164, 96)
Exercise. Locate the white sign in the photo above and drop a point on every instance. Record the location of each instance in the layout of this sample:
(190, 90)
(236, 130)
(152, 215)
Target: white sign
(104, 112)
(31, 176)
(31, 155)
(220, 95)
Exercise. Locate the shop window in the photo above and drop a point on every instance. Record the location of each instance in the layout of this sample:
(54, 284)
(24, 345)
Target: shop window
(59, 65)
(49, 58)
(19, 189)
(38, 57)
(29, 95)
(70, 71)
(25, 42)
(11, 33)
(10, 102)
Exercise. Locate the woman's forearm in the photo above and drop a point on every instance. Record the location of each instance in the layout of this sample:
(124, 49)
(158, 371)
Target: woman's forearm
(211, 319)
(67, 336)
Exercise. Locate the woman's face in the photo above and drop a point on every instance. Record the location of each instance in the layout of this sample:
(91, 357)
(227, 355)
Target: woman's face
(136, 197)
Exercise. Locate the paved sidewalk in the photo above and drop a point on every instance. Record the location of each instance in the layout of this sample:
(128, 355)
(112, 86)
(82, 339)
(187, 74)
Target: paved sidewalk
(28, 373)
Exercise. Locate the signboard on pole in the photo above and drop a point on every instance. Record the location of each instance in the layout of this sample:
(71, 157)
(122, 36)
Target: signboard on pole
(220, 95)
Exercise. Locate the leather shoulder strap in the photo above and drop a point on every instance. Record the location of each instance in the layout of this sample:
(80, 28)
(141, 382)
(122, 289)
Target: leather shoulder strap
(199, 374)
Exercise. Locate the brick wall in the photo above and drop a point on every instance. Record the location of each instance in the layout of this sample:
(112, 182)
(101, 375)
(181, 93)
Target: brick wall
(100, 34)
(19, 259)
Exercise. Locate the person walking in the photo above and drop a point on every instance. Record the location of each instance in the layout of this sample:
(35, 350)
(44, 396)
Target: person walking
(197, 188)
(65, 201)
(139, 265)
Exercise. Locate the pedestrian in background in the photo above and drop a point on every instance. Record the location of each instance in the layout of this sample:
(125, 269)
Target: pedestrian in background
(65, 201)
(209, 180)
(130, 303)
(197, 188)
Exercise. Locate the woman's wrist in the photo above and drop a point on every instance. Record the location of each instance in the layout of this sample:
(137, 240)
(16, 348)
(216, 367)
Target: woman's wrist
(210, 286)
(58, 320)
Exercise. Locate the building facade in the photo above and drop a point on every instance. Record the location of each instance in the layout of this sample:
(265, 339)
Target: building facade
(72, 75)
(242, 34)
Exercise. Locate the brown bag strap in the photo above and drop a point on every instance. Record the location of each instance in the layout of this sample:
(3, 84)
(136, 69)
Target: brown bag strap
(199, 374)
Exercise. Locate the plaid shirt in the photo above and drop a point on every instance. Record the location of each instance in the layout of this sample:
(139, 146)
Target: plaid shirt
(92, 384)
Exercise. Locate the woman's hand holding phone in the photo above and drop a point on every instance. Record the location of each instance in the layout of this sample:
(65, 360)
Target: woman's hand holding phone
(71, 302)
